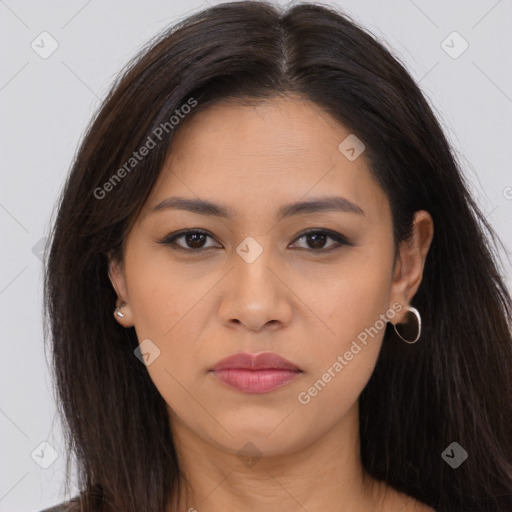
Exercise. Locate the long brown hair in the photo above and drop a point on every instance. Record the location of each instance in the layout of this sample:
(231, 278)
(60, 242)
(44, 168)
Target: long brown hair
(455, 384)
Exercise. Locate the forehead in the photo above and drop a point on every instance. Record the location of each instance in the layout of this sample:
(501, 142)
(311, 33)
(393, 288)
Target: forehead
(259, 155)
(281, 128)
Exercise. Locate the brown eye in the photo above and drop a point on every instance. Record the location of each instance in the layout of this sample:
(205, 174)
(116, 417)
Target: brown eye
(316, 240)
(193, 240)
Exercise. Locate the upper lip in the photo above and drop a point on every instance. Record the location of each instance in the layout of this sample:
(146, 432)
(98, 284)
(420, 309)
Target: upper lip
(265, 360)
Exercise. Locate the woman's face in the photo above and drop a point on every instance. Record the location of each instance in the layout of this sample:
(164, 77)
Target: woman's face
(260, 281)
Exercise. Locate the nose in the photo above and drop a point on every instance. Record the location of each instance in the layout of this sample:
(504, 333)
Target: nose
(256, 295)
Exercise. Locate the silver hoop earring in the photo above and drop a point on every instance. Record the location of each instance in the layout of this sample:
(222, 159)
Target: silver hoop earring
(119, 313)
(418, 319)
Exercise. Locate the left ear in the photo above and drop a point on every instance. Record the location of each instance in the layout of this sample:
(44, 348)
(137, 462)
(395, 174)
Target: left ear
(411, 261)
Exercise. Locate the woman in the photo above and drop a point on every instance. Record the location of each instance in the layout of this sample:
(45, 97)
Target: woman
(247, 303)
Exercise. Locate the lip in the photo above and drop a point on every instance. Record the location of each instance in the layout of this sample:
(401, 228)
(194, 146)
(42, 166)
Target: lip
(255, 373)
(263, 361)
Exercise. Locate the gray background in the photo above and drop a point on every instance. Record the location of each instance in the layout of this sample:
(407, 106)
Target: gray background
(46, 103)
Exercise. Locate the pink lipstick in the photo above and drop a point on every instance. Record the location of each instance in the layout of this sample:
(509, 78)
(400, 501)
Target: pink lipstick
(255, 373)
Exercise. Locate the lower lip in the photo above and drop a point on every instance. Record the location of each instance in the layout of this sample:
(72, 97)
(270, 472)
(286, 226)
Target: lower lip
(256, 381)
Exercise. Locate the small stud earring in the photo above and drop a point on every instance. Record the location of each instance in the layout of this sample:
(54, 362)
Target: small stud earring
(118, 311)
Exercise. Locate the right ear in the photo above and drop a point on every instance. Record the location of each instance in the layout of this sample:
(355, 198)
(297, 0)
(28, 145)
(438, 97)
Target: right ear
(118, 279)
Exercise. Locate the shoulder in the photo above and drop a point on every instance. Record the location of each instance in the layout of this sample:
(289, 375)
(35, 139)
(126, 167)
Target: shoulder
(72, 505)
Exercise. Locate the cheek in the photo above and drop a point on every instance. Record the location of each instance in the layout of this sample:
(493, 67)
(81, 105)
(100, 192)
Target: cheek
(159, 293)
(348, 301)
(169, 308)
(351, 307)
(344, 361)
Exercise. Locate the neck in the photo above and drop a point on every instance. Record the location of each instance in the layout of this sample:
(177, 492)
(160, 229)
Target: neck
(326, 474)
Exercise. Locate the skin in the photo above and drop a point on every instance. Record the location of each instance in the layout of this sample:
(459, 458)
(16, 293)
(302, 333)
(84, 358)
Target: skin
(294, 300)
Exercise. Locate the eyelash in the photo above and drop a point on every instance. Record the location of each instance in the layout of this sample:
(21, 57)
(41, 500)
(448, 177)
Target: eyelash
(337, 237)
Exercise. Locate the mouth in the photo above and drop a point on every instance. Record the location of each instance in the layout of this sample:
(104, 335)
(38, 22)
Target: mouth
(260, 373)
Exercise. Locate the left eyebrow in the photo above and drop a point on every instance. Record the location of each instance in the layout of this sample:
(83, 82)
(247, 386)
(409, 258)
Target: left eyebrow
(205, 207)
(324, 204)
